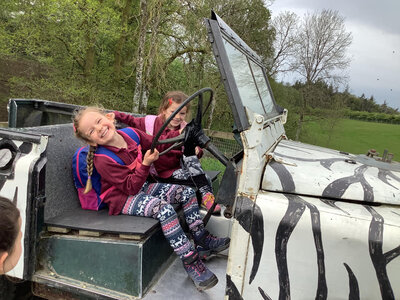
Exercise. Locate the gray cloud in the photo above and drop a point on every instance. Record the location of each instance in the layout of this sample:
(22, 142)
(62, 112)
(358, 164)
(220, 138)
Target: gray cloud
(382, 14)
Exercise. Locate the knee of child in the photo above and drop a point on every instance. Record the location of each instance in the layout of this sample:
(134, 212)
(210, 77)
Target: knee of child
(190, 191)
(164, 211)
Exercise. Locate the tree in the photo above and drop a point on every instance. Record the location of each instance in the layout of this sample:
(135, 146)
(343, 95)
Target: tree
(322, 46)
(250, 19)
(110, 52)
(285, 28)
(140, 57)
(321, 49)
(126, 12)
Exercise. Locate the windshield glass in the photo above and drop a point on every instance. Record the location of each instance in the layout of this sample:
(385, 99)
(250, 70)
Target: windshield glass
(250, 81)
(262, 87)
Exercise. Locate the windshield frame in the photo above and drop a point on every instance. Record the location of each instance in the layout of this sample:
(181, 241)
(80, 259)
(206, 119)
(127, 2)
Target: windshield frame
(218, 31)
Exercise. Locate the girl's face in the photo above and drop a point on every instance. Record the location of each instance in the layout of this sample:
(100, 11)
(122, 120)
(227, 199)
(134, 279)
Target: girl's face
(12, 258)
(179, 117)
(99, 129)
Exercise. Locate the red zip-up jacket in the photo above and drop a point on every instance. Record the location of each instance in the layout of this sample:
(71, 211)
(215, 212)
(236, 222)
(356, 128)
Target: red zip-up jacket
(167, 163)
(120, 181)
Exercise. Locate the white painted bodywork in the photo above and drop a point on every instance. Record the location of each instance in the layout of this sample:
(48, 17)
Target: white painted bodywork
(309, 222)
(18, 186)
(345, 237)
(255, 141)
(313, 169)
(310, 245)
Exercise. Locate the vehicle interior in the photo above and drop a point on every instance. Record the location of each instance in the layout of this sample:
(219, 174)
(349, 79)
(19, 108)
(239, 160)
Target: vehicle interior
(71, 233)
(79, 249)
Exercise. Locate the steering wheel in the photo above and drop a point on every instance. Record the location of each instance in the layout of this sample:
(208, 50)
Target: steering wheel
(178, 141)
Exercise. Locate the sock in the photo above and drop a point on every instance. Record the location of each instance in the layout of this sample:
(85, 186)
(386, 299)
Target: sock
(207, 197)
(205, 189)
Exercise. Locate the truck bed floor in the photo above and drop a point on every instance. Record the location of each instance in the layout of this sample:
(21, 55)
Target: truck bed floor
(175, 283)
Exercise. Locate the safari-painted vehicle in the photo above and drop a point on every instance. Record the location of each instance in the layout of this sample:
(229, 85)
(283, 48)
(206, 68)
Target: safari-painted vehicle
(308, 222)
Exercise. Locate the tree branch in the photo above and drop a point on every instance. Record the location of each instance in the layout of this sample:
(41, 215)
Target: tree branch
(75, 57)
(187, 50)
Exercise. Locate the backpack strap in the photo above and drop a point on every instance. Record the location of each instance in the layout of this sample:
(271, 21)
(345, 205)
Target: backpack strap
(132, 134)
(76, 161)
(100, 151)
(135, 137)
(149, 121)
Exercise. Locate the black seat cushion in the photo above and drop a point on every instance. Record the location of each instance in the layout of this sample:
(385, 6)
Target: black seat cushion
(100, 221)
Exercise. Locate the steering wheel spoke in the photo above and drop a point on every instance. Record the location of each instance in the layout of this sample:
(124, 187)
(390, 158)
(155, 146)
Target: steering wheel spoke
(174, 146)
(176, 139)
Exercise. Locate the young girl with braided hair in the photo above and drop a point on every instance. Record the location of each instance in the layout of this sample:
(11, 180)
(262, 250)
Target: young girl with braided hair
(129, 193)
(10, 235)
(177, 166)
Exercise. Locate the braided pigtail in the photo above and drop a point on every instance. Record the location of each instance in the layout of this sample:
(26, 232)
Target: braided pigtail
(89, 167)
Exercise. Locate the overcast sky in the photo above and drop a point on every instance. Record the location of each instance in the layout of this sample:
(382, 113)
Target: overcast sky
(375, 50)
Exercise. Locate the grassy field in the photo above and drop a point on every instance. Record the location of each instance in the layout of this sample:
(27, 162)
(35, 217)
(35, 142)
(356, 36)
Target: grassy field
(352, 136)
(355, 136)
(211, 163)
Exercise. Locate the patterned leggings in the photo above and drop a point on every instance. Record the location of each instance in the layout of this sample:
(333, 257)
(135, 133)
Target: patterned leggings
(154, 200)
(192, 174)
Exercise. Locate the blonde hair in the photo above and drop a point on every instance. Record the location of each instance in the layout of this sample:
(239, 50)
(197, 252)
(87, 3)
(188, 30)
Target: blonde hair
(78, 114)
(175, 96)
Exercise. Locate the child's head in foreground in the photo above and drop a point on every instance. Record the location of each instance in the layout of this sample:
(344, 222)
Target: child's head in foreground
(169, 104)
(10, 235)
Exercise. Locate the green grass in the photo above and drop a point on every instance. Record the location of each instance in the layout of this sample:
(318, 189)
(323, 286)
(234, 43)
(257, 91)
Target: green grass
(211, 163)
(355, 136)
(352, 136)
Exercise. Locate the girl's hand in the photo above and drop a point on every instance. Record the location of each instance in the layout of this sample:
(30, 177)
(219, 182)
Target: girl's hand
(149, 157)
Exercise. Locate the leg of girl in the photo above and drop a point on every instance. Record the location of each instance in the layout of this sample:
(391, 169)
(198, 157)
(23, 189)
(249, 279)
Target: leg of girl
(147, 205)
(191, 169)
(206, 243)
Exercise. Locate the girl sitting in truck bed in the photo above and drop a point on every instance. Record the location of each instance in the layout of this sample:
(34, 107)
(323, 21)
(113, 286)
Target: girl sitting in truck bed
(177, 166)
(131, 194)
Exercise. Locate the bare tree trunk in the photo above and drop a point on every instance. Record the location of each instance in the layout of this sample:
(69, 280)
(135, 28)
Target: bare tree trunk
(140, 57)
(299, 125)
(90, 53)
(89, 27)
(89, 57)
(303, 108)
(334, 117)
(212, 108)
(152, 51)
(122, 39)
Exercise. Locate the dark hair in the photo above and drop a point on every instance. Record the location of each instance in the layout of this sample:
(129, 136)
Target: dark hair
(9, 225)
(176, 96)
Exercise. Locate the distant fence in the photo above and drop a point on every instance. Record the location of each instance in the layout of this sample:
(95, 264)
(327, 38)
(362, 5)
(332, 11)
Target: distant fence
(224, 141)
